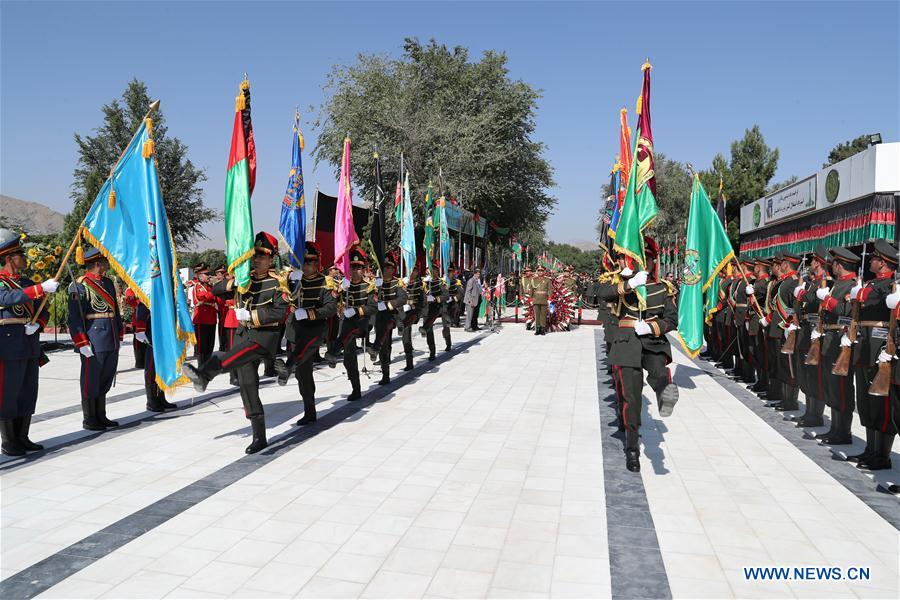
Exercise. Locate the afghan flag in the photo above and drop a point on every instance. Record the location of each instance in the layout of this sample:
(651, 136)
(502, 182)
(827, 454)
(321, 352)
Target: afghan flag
(238, 188)
(707, 251)
(639, 208)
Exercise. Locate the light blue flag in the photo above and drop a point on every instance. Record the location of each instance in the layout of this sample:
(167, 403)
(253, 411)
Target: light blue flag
(408, 230)
(131, 230)
(444, 240)
(293, 207)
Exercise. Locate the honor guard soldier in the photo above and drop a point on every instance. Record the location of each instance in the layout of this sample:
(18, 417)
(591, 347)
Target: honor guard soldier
(391, 298)
(455, 293)
(206, 310)
(260, 311)
(332, 342)
(785, 320)
(641, 345)
(837, 310)
(139, 348)
(156, 398)
(893, 304)
(314, 302)
(20, 345)
(725, 319)
(358, 301)
(868, 352)
(96, 328)
(221, 313)
(607, 312)
(415, 304)
(539, 290)
(743, 307)
(811, 377)
(774, 335)
(757, 328)
(436, 298)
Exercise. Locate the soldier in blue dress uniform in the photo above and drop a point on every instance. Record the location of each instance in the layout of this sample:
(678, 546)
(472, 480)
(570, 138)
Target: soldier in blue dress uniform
(20, 350)
(96, 328)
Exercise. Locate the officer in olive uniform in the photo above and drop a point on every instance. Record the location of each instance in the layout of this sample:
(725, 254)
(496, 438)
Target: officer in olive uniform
(358, 301)
(20, 348)
(260, 311)
(314, 301)
(836, 316)
(415, 303)
(811, 377)
(757, 331)
(785, 323)
(436, 298)
(539, 291)
(874, 315)
(391, 298)
(743, 308)
(455, 293)
(156, 397)
(607, 312)
(96, 328)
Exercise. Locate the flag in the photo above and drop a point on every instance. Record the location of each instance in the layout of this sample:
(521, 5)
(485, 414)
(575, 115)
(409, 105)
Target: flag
(344, 232)
(608, 208)
(720, 206)
(377, 235)
(707, 251)
(444, 236)
(516, 248)
(239, 183)
(639, 208)
(428, 242)
(617, 201)
(408, 230)
(128, 224)
(292, 225)
(398, 196)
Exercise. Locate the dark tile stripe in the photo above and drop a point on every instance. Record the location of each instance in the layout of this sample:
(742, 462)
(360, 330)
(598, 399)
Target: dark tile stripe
(43, 575)
(636, 566)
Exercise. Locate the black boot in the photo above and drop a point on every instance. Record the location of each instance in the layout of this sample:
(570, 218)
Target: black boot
(385, 376)
(841, 435)
(355, 395)
(448, 347)
(101, 412)
(191, 372)
(281, 371)
(537, 331)
(258, 425)
(881, 458)
(632, 451)
(830, 432)
(23, 424)
(870, 447)
(666, 400)
(409, 363)
(90, 422)
(10, 441)
(813, 415)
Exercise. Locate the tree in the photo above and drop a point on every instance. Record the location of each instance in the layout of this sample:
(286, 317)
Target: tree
(446, 114)
(213, 258)
(846, 150)
(753, 164)
(179, 179)
(782, 184)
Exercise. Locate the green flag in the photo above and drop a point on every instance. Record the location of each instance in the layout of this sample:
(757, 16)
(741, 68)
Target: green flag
(706, 252)
(238, 189)
(428, 242)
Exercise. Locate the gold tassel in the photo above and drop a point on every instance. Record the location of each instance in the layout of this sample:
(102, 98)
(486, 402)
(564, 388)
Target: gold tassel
(112, 198)
(240, 103)
(646, 66)
(303, 143)
(79, 254)
(149, 123)
(148, 149)
(640, 102)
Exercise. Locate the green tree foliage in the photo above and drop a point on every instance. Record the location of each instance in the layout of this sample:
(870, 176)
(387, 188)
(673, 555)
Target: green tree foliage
(774, 187)
(214, 258)
(846, 150)
(178, 177)
(586, 262)
(444, 113)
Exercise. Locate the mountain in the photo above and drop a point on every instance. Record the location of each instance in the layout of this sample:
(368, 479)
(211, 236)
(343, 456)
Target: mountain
(585, 246)
(30, 217)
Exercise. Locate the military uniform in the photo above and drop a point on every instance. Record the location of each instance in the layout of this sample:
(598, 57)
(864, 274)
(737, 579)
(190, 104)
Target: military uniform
(758, 333)
(455, 297)
(96, 328)
(784, 320)
(437, 297)
(415, 303)
(811, 377)
(140, 348)
(391, 298)
(358, 301)
(20, 348)
(539, 291)
(156, 397)
(742, 308)
(205, 317)
(266, 301)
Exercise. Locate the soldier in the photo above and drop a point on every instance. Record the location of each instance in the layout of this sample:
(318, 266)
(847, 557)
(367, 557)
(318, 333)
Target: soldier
(315, 302)
(222, 313)
(874, 411)
(391, 299)
(206, 310)
(260, 311)
(436, 298)
(140, 348)
(156, 398)
(359, 303)
(96, 328)
(455, 295)
(893, 303)
(641, 345)
(784, 322)
(774, 335)
(539, 291)
(20, 352)
(415, 303)
(836, 312)
(756, 329)
(811, 377)
(332, 342)
(725, 320)
(743, 307)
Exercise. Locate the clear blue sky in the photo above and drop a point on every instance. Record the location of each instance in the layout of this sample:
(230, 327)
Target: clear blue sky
(810, 74)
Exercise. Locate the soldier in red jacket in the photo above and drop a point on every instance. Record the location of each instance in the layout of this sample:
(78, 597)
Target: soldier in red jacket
(206, 311)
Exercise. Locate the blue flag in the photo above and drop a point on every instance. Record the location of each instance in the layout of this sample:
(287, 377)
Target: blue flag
(617, 206)
(408, 230)
(128, 224)
(293, 207)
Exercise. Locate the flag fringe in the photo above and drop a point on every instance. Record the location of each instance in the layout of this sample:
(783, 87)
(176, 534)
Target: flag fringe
(238, 262)
(718, 268)
(688, 351)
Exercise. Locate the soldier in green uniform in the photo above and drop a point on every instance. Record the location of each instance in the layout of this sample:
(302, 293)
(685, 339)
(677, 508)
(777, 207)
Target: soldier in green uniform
(455, 295)
(313, 301)
(359, 303)
(436, 298)
(784, 323)
(641, 345)
(391, 298)
(743, 308)
(415, 303)
(260, 311)
(761, 291)
(811, 377)
(539, 290)
(774, 335)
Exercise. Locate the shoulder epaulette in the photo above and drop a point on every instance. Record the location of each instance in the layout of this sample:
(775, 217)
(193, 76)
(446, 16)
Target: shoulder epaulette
(329, 283)
(669, 287)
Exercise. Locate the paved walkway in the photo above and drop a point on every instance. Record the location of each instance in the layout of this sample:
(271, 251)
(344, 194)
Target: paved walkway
(494, 471)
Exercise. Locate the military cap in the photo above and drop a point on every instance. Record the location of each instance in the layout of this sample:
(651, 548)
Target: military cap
(311, 251)
(820, 252)
(764, 261)
(199, 268)
(885, 251)
(265, 243)
(92, 254)
(844, 256)
(391, 259)
(10, 242)
(790, 257)
(221, 271)
(358, 256)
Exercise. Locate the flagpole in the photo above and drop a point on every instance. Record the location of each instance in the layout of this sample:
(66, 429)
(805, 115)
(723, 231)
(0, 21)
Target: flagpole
(314, 211)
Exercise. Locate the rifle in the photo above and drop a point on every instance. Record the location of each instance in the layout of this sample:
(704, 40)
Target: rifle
(842, 364)
(791, 343)
(881, 384)
(815, 346)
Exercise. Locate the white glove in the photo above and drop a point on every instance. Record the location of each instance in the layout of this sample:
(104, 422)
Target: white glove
(86, 351)
(626, 272)
(822, 293)
(382, 306)
(407, 308)
(763, 321)
(349, 312)
(845, 341)
(884, 357)
(405, 280)
(345, 283)
(749, 290)
(641, 327)
(300, 314)
(49, 286)
(799, 289)
(31, 328)
(430, 298)
(241, 314)
(379, 282)
(296, 275)
(427, 278)
(141, 336)
(814, 335)
(639, 279)
(892, 300)
(747, 325)
(854, 291)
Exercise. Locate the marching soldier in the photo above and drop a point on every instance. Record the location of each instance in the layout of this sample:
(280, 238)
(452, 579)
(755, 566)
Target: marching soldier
(206, 311)
(641, 345)
(359, 303)
(436, 299)
(757, 329)
(391, 298)
(260, 311)
(539, 290)
(332, 342)
(812, 380)
(315, 302)
(607, 312)
(20, 351)
(836, 316)
(415, 303)
(96, 328)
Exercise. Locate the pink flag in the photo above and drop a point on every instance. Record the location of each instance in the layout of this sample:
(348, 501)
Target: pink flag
(344, 232)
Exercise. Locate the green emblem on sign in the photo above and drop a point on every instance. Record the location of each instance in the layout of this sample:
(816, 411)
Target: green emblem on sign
(757, 215)
(832, 185)
(691, 274)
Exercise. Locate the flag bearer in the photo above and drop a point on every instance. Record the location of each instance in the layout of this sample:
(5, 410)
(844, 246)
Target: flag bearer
(391, 298)
(436, 298)
(359, 304)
